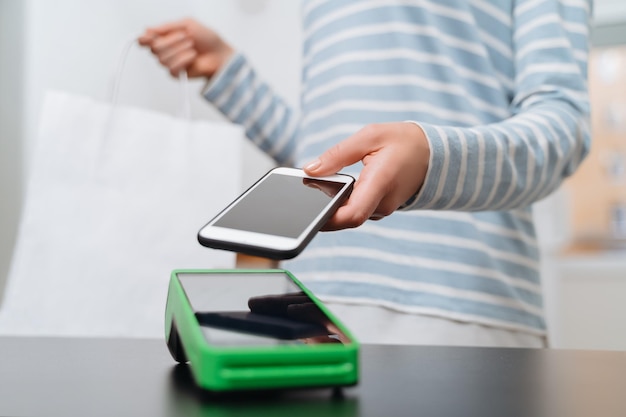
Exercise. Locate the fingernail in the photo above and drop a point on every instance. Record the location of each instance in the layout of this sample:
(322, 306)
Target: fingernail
(312, 166)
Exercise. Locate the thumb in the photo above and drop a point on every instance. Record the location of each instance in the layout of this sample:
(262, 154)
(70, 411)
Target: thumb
(343, 154)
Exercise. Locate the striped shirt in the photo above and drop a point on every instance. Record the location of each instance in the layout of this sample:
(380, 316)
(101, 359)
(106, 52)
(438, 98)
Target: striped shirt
(499, 88)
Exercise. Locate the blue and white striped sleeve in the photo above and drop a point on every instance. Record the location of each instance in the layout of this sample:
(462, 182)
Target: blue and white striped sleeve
(269, 122)
(520, 160)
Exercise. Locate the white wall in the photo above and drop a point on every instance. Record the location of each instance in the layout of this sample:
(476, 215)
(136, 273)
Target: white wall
(609, 11)
(73, 45)
(11, 82)
(589, 295)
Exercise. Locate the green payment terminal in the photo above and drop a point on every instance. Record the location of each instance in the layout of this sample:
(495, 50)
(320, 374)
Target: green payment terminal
(255, 329)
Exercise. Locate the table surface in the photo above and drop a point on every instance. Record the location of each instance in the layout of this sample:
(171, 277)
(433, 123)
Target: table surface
(137, 377)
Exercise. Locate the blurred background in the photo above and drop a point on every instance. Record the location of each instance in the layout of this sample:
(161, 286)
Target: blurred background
(73, 45)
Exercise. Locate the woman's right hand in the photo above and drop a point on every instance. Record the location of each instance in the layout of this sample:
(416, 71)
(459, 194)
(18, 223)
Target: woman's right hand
(187, 45)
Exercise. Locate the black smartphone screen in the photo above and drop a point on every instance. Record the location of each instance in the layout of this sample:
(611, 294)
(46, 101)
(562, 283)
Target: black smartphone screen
(256, 309)
(280, 205)
(275, 326)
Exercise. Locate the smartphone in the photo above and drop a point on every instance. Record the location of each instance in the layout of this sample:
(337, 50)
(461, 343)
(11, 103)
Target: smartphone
(254, 329)
(278, 215)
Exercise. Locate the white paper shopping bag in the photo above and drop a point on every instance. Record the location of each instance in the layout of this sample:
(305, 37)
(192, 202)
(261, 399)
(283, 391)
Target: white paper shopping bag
(115, 200)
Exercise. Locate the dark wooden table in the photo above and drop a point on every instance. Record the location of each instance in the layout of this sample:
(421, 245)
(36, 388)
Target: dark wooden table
(136, 377)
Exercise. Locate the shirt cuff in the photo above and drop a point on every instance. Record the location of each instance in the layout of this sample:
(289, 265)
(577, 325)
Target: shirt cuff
(223, 80)
(426, 196)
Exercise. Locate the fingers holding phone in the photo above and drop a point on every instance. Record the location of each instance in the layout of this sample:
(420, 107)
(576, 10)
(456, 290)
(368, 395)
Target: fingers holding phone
(395, 160)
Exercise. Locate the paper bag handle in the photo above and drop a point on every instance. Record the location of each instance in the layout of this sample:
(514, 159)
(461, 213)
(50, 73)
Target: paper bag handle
(185, 105)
